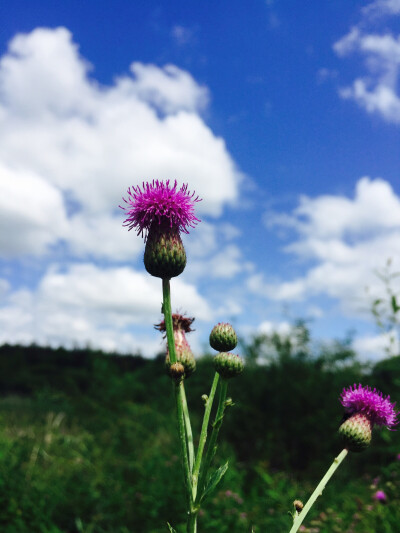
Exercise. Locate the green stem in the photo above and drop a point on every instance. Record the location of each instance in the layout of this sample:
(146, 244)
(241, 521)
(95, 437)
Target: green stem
(203, 435)
(318, 491)
(191, 526)
(188, 428)
(179, 393)
(166, 309)
(182, 438)
(213, 439)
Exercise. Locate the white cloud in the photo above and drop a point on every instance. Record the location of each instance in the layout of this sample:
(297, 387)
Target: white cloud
(282, 328)
(169, 89)
(343, 242)
(375, 208)
(32, 212)
(69, 149)
(101, 237)
(379, 8)
(225, 264)
(377, 91)
(212, 255)
(88, 143)
(347, 43)
(374, 347)
(86, 304)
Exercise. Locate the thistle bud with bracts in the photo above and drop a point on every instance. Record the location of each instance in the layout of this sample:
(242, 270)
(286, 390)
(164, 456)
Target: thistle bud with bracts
(228, 365)
(184, 355)
(223, 337)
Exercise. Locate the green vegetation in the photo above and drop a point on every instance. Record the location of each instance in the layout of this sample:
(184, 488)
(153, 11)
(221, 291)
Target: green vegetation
(88, 442)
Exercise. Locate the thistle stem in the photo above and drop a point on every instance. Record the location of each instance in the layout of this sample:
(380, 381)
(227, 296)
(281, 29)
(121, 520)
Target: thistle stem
(188, 429)
(213, 439)
(298, 519)
(166, 309)
(203, 435)
(179, 394)
(182, 438)
(191, 526)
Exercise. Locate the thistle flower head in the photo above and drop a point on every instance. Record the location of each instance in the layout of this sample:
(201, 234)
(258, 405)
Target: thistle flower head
(160, 203)
(179, 322)
(184, 355)
(380, 496)
(378, 408)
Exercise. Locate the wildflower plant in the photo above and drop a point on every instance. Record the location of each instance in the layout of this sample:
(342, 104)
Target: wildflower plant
(159, 211)
(364, 409)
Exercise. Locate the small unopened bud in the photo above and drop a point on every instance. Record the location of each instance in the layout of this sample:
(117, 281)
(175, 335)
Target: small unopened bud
(186, 359)
(204, 398)
(176, 371)
(229, 402)
(228, 365)
(298, 505)
(356, 432)
(223, 337)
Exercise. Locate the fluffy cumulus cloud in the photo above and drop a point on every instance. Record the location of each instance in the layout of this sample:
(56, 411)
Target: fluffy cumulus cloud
(88, 304)
(32, 212)
(213, 253)
(69, 149)
(343, 242)
(378, 90)
(85, 144)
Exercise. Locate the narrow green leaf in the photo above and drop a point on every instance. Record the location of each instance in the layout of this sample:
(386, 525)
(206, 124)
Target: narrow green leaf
(171, 529)
(215, 478)
(395, 306)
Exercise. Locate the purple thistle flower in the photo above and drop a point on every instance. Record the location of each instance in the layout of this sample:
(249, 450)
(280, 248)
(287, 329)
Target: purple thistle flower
(380, 496)
(161, 203)
(378, 408)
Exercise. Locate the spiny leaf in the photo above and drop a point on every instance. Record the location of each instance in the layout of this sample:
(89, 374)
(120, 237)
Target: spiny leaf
(171, 529)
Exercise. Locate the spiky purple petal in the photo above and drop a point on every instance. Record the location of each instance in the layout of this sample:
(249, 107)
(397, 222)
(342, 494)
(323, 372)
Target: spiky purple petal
(161, 203)
(379, 409)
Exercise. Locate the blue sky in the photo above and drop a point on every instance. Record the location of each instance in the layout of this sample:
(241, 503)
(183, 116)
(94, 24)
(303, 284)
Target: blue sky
(283, 116)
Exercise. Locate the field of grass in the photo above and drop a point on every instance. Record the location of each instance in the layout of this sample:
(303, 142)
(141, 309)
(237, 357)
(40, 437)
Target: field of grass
(88, 444)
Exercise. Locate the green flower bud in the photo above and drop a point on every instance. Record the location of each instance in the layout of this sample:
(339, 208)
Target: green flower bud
(228, 365)
(176, 371)
(356, 432)
(186, 358)
(164, 255)
(223, 337)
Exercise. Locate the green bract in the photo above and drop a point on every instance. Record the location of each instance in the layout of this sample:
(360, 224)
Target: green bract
(228, 365)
